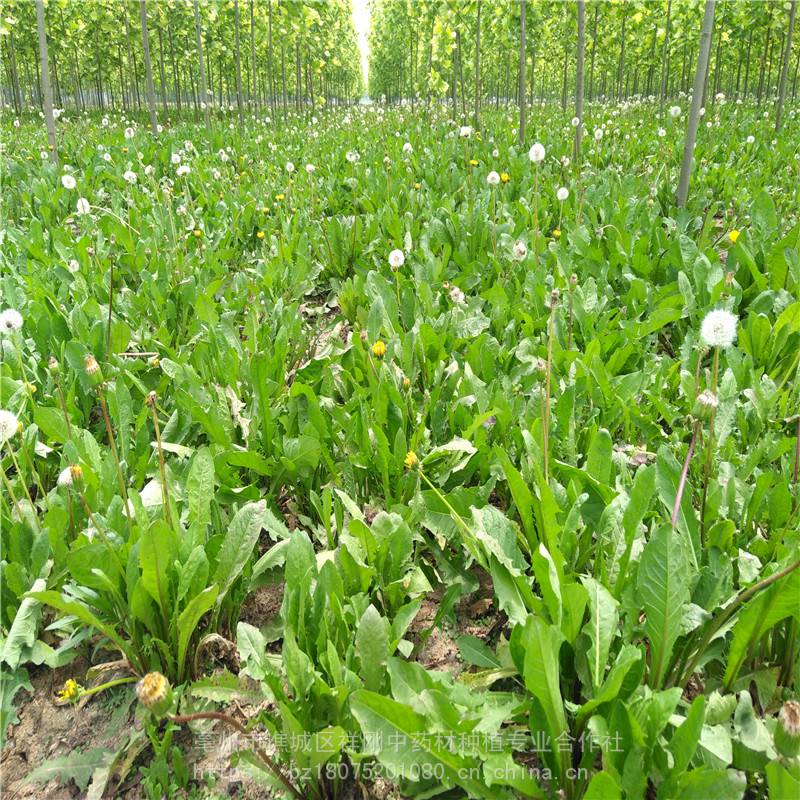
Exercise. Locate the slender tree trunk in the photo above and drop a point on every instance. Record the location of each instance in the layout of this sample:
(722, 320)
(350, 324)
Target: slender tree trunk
(14, 76)
(148, 68)
(476, 121)
(283, 78)
(47, 90)
(428, 69)
(254, 95)
(238, 66)
(581, 7)
(665, 58)
(594, 49)
(694, 113)
(522, 39)
(794, 79)
(764, 57)
(747, 63)
(200, 68)
(564, 80)
(297, 79)
(175, 79)
(162, 75)
(785, 69)
(270, 62)
(621, 59)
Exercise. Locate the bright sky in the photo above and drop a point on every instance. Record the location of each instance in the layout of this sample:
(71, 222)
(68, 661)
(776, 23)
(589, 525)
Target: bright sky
(361, 22)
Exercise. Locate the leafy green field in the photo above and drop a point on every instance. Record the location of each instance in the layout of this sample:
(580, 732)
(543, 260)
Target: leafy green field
(417, 406)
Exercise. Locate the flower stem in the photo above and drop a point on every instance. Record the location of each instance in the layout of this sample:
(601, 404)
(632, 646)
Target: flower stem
(709, 450)
(151, 401)
(684, 473)
(115, 453)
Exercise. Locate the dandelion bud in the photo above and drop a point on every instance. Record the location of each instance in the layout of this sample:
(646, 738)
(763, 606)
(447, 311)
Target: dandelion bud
(151, 399)
(406, 383)
(93, 371)
(573, 280)
(729, 278)
(155, 693)
(54, 366)
(379, 349)
(705, 405)
(554, 298)
(787, 731)
(411, 460)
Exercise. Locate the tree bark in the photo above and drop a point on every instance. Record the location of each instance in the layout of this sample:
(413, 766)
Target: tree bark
(664, 58)
(478, 69)
(694, 113)
(594, 49)
(254, 92)
(581, 6)
(148, 68)
(522, 9)
(785, 70)
(47, 90)
(270, 62)
(238, 66)
(200, 67)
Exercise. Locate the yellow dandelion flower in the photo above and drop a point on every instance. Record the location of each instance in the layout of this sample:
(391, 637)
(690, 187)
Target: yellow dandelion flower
(473, 162)
(557, 233)
(505, 177)
(411, 460)
(417, 185)
(406, 383)
(260, 234)
(279, 197)
(265, 210)
(379, 349)
(733, 236)
(197, 233)
(70, 691)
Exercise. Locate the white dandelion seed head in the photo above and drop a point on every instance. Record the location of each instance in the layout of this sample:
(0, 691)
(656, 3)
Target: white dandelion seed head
(310, 169)
(598, 134)
(289, 167)
(182, 170)
(492, 178)
(68, 181)
(751, 139)
(661, 133)
(562, 194)
(675, 111)
(130, 176)
(352, 156)
(73, 266)
(465, 131)
(10, 320)
(536, 153)
(575, 121)
(107, 157)
(176, 158)
(9, 425)
(519, 250)
(129, 133)
(407, 148)
(396, 259)
(83, 206)
(708, 399)
(65, 477)
(718, 328)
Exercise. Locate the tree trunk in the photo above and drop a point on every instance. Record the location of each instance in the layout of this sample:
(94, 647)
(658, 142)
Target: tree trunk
(47, 90)
(148, 68)
(238, 66)
(14, 76)
(785, 70)
(162, 75)
(254, 95)
(694, 113)
(200, 68)
(621, 59)
(594, 49)
(581, 5)
(522, 69)
(478, 70)
(764, 57)
(270, 72)
(664, 57)
(564, 80)
(283, 78)
(175, 79)
(747, 63)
